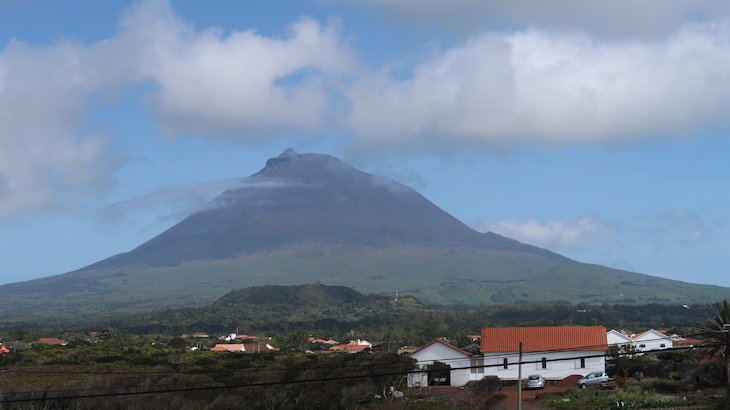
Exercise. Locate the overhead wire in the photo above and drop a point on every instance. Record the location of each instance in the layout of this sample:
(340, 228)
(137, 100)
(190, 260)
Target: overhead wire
(501, 355)
(301, 381)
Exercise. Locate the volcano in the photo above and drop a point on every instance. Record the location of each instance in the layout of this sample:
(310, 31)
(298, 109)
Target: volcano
(316, 200)
(312, 218)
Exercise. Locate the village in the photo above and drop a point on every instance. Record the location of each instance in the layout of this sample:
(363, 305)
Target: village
(551, 360)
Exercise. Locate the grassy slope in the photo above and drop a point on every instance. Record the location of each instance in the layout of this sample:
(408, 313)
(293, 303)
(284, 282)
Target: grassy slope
(451, 277)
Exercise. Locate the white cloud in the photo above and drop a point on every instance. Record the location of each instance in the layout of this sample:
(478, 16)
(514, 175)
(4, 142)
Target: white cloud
(578, 234)
(44, 163)
(495, 88)
(208, 83)
(499, 88)
(616, 17)
(238, 84)
(661, 233)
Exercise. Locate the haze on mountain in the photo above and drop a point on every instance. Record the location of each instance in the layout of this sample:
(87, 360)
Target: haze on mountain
(312, 218)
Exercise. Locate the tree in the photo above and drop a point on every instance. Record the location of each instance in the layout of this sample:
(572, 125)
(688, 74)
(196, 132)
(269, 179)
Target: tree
(715, 332)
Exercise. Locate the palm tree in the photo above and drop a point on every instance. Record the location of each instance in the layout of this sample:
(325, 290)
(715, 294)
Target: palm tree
(715, 332)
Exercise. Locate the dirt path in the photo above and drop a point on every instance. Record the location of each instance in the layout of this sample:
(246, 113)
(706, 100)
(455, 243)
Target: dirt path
(529, 401)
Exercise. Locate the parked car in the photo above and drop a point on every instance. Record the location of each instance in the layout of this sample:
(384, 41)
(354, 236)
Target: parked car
(594, 379)
(535, 381)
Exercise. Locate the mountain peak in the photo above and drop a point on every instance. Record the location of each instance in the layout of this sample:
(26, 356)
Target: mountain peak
(311, 200)
(285, 157)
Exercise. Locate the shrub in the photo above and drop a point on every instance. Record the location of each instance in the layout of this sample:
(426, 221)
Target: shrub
(110, 359)
(660, 386)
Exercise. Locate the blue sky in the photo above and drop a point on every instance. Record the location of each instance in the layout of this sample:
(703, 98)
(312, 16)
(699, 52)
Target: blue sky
(595, 130)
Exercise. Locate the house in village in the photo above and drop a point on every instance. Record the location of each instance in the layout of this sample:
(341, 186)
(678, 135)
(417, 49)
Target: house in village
(553, 352)
(244, 348)
(353, 346)
(322, 341)
(652, 340)
(406, 350)
(440, 364)
(644, 341)
(684, 342)
(4, 350)
(619, 339)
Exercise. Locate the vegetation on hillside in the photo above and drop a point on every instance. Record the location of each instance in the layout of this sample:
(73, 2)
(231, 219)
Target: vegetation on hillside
(122, 365)
(341, 313)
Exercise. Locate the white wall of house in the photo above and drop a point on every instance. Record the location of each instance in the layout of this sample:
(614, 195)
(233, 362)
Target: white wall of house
(652, 340)
(616, 338)
(567, 363)
(438, 352)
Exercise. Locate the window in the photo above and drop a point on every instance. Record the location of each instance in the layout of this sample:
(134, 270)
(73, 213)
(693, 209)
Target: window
(642, 345)
(505, 366)
(582, 362)
(544, 362)
(662, 345)
(477, 365)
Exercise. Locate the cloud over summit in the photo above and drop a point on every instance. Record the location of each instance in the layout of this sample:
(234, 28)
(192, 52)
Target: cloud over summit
(205, 83)
(558, 86)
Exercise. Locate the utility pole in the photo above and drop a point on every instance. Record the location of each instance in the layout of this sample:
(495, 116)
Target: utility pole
(726, 330)
(519, 380)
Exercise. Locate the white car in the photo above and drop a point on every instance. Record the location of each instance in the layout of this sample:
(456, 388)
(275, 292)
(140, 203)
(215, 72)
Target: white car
(535, 381)
(594, 379)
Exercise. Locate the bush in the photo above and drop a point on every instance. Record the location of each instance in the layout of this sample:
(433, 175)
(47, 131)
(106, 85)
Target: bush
(483, 394)
(110, 359)
(660, 386)
(599, 399)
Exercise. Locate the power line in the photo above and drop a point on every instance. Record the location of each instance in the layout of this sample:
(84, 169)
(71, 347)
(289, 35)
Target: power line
(314, 380)
(246, 370)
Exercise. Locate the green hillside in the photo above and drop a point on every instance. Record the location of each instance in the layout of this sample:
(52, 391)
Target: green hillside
(455, 277)
(337, 310)
(312, 218)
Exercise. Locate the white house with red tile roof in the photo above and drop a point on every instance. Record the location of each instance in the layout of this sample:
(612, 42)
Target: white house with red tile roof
(437, 359)
(244, 348)
(553, 352)
(353, 347)
(679, 341)
(323, 341)
(652, 340)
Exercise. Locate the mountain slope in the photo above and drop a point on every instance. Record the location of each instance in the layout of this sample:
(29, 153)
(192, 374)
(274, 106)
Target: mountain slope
(311, 198)
(312, 218)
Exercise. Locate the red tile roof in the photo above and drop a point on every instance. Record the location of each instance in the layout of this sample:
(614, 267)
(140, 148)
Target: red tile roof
(4, 350)
(49, 341)
(538, 339)
(243, 347)
(227, 348)
(686, 342)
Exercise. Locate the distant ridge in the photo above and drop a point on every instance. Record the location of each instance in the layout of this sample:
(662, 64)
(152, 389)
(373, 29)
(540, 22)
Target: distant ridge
(308, 294)
(312, 218)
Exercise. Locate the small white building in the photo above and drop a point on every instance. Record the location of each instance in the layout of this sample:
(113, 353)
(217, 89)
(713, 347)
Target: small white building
(616, 338)
(652, 340)
(436, 361)
(553, 352)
